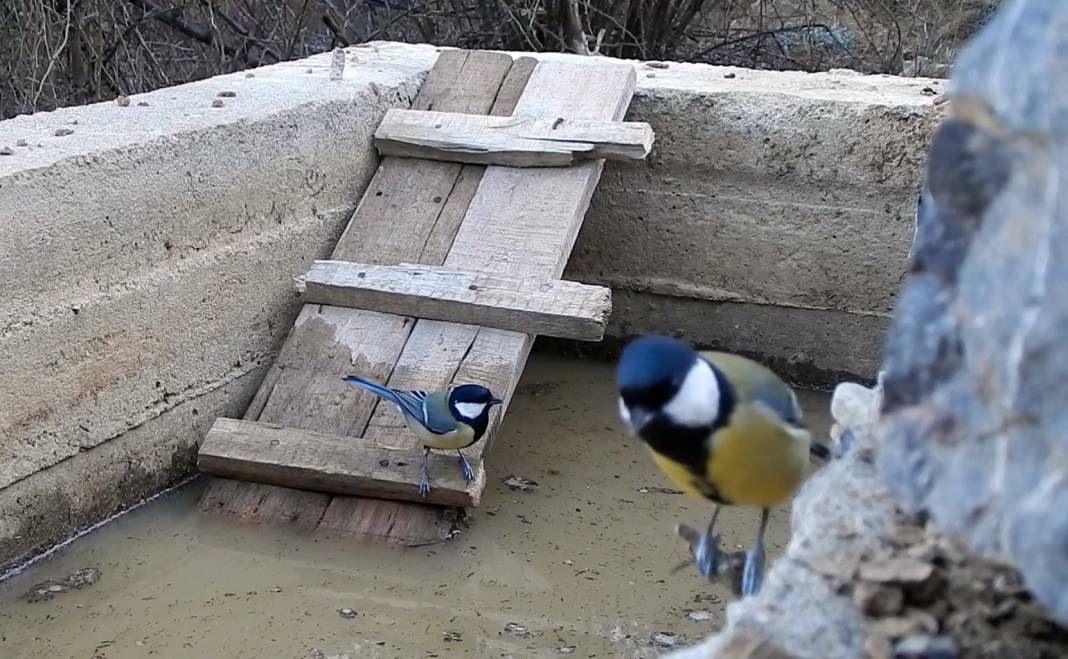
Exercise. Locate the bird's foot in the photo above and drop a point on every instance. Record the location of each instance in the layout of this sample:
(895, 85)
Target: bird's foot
(424, 484)
(705, 551)
(752, 572)
(469, 473)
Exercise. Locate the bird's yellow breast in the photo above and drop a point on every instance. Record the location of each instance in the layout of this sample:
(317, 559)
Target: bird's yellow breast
(462, 437)
(755, 461)
(680, 476)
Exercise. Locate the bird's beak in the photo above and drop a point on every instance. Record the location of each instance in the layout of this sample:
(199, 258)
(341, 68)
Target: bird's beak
(496, 401)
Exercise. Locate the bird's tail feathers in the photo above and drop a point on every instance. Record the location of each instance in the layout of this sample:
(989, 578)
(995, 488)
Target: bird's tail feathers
(373, 387)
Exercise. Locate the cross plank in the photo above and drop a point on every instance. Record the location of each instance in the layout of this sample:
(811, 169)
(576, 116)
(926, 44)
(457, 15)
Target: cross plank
(509, 141)
(557, 308)
(296, 458)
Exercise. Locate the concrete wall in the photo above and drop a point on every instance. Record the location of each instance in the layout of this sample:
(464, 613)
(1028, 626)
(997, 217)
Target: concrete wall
(774, 215)
(146, 258)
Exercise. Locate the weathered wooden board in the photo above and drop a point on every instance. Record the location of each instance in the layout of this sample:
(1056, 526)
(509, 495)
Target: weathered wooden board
(410, 211)
(512, 227)
(557, 308)
(296, 458)
(518, 223)
(515, 141)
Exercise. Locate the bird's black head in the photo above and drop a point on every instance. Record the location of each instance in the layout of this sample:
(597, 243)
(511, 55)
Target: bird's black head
(666, 389)
(651, 371)
(471, 404)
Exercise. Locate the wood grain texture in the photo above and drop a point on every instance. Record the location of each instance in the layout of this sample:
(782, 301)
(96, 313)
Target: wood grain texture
(562, 309)
(410, 211)
(514, 141)
(491, 205)
(296, 458)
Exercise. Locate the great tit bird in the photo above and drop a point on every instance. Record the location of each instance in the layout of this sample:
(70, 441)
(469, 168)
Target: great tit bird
(721, 427)
(450, 419)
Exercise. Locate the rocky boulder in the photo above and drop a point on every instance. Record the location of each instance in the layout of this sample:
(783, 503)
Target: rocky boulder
(975, 428)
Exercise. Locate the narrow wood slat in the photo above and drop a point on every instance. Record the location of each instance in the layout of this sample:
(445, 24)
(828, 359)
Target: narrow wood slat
(562, 309)
(295, 458)
(509, 141)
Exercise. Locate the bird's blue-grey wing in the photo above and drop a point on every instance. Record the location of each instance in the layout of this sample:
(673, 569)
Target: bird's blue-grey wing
(778, 396)
(430, 409)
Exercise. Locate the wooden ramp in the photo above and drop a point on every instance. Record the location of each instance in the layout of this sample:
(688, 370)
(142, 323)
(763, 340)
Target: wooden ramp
(445, 273)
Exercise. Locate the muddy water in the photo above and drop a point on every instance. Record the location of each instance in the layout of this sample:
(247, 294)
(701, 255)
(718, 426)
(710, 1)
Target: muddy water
(580, 566)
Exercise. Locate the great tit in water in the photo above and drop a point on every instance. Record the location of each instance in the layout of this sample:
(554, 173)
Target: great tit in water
(721, 427)
(450, 419)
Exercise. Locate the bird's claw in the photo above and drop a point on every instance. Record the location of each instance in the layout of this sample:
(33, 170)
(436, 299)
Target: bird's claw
(752, 572)
(469, 474)
(424, 484)
(705, 551)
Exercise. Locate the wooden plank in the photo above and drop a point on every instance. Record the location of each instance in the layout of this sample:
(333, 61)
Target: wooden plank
(515, 141)
(295, 458)
(562, 309)
(527, 233)
(410, 211)
(513, 227)
(259, 503)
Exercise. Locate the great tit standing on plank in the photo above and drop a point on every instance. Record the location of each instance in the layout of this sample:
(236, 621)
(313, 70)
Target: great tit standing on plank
(450, 419)
(721, 427)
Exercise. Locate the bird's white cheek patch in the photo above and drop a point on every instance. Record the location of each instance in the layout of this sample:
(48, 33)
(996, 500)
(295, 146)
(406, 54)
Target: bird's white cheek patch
(470, 410)
(624, 414)
(697, 402)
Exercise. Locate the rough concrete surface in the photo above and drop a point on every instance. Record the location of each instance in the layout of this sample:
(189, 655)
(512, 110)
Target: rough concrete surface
(147, 250)
(57, 502)
(147, 261)
(976, 430)
(793, 197)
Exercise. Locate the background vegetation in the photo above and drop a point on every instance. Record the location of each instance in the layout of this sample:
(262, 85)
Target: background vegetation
(62, 52)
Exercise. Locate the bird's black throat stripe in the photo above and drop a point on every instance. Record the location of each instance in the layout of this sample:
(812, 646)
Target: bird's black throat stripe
(688, 445)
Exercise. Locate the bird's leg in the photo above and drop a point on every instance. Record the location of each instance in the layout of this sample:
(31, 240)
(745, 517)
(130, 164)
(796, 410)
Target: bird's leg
(424, 480)
(753, 571)
(469, 473)
(706, 553)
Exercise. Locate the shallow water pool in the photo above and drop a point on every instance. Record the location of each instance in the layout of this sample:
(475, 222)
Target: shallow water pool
(580, 566)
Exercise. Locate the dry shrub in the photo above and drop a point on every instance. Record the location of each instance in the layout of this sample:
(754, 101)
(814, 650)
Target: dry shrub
(62, 52)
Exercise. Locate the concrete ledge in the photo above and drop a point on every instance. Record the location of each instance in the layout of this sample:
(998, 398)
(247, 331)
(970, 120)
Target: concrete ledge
(147, 251)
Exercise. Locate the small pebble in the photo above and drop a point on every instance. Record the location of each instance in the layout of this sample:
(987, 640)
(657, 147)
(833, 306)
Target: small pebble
(250, 75)
(22, 143)
(521, 484)
(665, 639)
(347, 613)
(6, 151)
(217, 103)
(142, 104)
(517, 630)
(453, 637)
(729, 76)
(227, 94)
(925, 647)
(657, 65)
(63, 132)
(700, 616)
(567, 649)
(122, 101)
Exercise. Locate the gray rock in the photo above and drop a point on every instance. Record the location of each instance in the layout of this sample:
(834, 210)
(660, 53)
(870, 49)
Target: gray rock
(976, 426)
